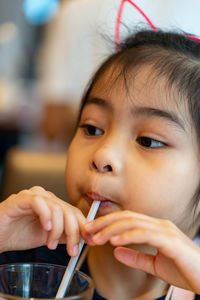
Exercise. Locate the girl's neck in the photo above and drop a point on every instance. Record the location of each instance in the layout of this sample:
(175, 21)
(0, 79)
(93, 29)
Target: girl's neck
(114, 280)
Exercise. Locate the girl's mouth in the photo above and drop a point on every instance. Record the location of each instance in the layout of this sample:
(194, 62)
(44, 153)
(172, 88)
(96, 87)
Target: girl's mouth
(105, 202)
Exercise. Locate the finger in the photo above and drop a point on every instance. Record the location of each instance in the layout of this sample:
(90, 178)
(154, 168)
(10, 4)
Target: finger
(82, 221)
(135, 259)
(117, 228)
(39, 206)
(26, 204)
(154, 238)
(72, 232)
(38, 190)
(57, 226)
(148, 264)
(101, 222)
(123, 226)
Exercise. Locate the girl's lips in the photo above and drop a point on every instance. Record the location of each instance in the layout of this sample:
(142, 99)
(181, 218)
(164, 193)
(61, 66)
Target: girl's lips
(105, 202)
(94, 196)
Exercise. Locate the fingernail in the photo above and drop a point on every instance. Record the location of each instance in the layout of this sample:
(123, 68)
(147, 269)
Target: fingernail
(74, 250)
(114, 239)
(89, 225)
(54, 245)
(48, 225)
(97, 237)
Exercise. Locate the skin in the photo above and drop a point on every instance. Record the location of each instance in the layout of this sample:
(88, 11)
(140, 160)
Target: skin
(145, 222)
(37, 217)
(146, 204)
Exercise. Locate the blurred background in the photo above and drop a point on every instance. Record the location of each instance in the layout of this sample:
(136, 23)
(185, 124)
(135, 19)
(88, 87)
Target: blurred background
(29, 155)
(49, 49)
(47, 54)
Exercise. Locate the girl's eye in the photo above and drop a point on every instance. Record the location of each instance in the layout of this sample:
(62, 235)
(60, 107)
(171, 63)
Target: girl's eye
(149, 142)
(91, 130)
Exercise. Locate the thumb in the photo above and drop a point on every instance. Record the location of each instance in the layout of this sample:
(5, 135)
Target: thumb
(135, 259)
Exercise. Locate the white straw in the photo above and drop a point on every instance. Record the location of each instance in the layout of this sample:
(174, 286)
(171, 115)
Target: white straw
(169, 293)
(73, 260)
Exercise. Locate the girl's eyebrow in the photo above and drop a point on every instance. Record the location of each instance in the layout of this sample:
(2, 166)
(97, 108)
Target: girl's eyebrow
(100, 102)
(137, 111)
(168, 115)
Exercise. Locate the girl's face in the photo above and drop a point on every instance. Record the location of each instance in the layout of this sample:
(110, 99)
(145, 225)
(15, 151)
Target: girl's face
(135, 151)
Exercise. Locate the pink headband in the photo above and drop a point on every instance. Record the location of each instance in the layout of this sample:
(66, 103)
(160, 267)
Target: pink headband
(117, 32)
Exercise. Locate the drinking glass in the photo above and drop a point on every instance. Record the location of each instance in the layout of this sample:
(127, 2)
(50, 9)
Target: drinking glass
(41, 280)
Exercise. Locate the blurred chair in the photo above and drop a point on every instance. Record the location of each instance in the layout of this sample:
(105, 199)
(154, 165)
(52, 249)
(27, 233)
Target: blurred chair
(25, 168)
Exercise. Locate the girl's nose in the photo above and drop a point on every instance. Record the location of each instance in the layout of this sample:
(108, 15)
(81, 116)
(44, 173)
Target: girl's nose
(107, 160)
(102, 168)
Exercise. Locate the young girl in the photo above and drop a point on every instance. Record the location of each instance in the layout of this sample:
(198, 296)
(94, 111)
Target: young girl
(136, 149)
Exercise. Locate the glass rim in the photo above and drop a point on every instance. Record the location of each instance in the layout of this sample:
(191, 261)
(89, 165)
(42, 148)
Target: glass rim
(12, 297)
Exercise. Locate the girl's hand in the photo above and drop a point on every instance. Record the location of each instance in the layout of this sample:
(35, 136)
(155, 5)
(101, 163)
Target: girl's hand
(35, 217)
(177, 259)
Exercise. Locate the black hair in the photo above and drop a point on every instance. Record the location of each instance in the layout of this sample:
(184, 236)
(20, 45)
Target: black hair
(172, 55)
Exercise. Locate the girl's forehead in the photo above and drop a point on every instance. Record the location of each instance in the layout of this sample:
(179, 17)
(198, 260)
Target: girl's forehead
(140, 87)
